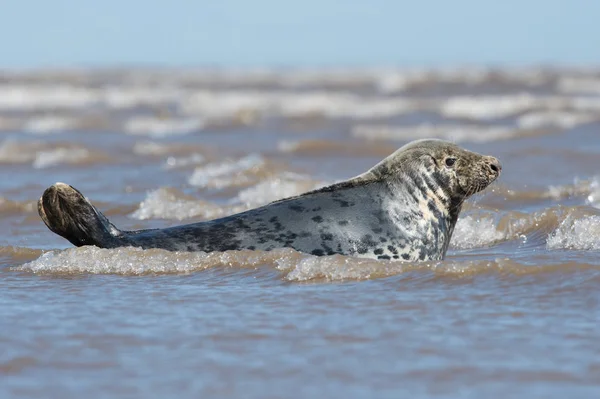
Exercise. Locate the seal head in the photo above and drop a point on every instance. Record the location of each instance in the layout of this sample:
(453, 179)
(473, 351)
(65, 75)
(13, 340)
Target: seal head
(429, 181)
(403, 208)
(458, 172)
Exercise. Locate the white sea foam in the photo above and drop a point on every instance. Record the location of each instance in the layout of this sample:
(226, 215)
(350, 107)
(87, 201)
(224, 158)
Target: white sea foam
(150, 148)
(232, 104)
(119, 97)
(561, 119)
(166, 203)
(135, 261)
(589, 189)
(394, 81)
(398, 81)
(221, 105)
(28, 97)
(473, 232)
(57, 156)
(229, 172)
(49, 124)
(346, 106)
(593, 196)
(198, 98)
(455, 133)
(43, 155)
(487, 107)
(340, 268)
(158, 127)
(292, 265)
(576, 233)
(31, 97)
(336, 267)
(277, 187)
(174, 162)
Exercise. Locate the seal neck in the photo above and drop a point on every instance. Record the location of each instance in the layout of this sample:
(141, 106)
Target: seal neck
(419, 197)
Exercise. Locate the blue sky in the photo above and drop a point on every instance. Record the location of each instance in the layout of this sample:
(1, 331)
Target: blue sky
(254, 33)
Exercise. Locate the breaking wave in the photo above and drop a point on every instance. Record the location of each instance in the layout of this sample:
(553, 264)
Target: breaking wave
(579, 234)
(289, 264)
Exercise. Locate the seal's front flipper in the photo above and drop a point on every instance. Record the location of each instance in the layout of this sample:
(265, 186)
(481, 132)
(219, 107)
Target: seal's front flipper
(69, 214)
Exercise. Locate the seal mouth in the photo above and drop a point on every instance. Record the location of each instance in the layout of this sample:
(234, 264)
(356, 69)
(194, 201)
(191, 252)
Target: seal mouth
(478, 187)
(488, 172)
(491, 169)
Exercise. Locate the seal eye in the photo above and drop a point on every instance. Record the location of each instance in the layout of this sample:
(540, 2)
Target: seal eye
(450, 162)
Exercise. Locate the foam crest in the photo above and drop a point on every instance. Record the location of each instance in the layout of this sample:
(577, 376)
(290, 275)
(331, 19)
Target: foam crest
(222, 104)
(119, 97)
(229, 173)
(191, 100)
(150, 148)
(588, 189)
(49, 124)
(393, 81)
(576, 233)
(24, 97)
(455, 133)
(481, 228)
(292, 265)
(43, 155)
(396, 81)
(343, 268)
(487, 107)
(174, 162)
(593, 196)
(474, 232)
(321, 147)
(159, 127)
(136, 261)
(239, 105)
(336, 267)
(165, 203)
(560, 119)
(351, 107)
(57, 156)
(154, 148)
(168, 203)
(274, 188)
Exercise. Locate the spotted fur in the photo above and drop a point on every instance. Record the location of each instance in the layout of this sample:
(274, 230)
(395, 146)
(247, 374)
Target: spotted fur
(404, 208)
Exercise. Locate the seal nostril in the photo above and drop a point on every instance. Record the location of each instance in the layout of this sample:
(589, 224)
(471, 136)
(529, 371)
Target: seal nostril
(494, 168)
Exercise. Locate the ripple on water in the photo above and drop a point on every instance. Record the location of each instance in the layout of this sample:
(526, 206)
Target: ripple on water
(292, 265)
(573, 233)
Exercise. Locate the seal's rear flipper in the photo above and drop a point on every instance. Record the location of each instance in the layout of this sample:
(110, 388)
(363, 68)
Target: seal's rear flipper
(69, 214)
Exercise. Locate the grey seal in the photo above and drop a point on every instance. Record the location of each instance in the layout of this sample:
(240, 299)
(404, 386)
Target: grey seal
(403, 208)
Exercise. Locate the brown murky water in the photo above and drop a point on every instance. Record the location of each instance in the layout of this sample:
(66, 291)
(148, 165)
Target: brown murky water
(512, 312)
